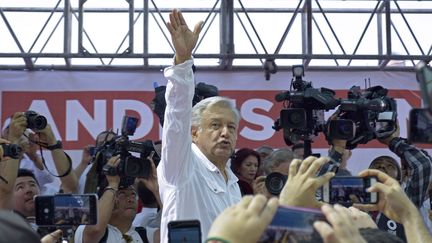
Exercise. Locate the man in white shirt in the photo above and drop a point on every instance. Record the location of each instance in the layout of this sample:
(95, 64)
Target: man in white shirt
(116, 210)
(195, 179)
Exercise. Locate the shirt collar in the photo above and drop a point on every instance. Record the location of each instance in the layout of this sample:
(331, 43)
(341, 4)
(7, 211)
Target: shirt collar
(211, 167)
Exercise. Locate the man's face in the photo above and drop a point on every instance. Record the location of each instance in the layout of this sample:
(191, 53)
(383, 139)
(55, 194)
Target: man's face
(217, 135)
(282, 168)
(24, 191)
(126, 202)
(386, 167)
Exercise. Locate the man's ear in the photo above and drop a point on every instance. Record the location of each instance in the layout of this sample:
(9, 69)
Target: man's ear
(194, 131)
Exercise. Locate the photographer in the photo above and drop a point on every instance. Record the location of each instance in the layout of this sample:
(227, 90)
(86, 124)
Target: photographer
(418, 167)
(22, 185)
(117, 207)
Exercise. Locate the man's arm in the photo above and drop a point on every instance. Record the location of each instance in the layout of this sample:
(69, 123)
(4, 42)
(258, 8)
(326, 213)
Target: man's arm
(9, 167)
(62, 162)
(418, 163)
(176, 135)
(94, 233)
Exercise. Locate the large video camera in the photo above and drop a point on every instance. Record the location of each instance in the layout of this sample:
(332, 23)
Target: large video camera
(302, 118)
(363, 116)
(129, 166)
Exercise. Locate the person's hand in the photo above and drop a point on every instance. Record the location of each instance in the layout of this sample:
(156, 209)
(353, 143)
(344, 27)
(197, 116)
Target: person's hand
(361, 219)
(46, 135)
(245, 221)
(259, 187)
(388, 139)
(302, 182)
(17, 127)
(393, 201)
(86, 156)
(2, 141)
(52, 237)
(183, 39)
(340, 228)
(151, 182)
(32, 149)
(113, 181)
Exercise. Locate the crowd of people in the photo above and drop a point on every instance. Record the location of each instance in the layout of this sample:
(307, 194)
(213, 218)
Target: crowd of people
(205, 175)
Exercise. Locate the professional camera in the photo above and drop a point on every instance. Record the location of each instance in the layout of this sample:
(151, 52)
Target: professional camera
(129, 166)
(275, 182)
(303, 117)
(11, 150)
(363, 116)
(35, 121)
(202, 91)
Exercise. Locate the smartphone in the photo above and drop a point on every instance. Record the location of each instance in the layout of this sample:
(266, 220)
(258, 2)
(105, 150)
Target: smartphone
(66, 209)
(420, 126)
(346, 190)
(184, 231)
(293, 224)
(424, 77)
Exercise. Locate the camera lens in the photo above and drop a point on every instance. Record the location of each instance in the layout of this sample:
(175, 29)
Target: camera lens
(35, 121)
(135, 167)
(275, 182)
(345, 128)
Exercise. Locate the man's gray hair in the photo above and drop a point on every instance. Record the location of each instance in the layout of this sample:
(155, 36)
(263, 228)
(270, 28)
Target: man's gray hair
(220, 101)
(276, 158)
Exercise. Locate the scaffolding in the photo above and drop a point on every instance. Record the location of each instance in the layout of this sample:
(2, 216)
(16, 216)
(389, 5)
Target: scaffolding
(236, 35)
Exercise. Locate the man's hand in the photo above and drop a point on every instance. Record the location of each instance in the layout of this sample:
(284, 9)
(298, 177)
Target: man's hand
(52, 237)
(17, 127)
(183, 39)
(393, 201)
(302, 183)
(245, 221)
(46, 135)
(388, 139)
(113, 181)
(151, 182)
(341, 229)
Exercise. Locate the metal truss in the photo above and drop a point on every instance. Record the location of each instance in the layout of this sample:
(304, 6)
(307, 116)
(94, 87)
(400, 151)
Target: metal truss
(373, 30)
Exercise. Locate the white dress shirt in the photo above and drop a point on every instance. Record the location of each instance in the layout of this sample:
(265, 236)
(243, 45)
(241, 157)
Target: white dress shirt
(191, 186)
(114, 235)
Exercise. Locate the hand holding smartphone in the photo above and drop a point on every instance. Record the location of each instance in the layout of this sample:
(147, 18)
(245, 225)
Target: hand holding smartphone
(346, 190)
(292, 224)
(66, 210)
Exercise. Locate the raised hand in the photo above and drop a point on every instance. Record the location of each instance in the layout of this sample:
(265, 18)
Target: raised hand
(183, 39)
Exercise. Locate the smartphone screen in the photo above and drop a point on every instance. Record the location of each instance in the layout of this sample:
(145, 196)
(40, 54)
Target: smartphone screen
(420, 126)
(66, 210)
(346, 190)
(184, 231)
(292, 224)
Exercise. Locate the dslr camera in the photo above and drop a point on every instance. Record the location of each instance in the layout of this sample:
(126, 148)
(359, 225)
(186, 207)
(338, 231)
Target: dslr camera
(130, 166)
(35, 121)
(275, 182)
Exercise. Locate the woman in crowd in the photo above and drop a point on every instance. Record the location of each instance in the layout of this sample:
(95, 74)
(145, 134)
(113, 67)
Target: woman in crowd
(245, 164)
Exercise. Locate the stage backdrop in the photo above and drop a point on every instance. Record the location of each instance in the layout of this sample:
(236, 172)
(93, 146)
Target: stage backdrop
(79, 105)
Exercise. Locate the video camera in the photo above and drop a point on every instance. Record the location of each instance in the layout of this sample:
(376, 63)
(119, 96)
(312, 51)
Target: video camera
(129, 166)
(202, 91)
(363, 116)
(300, 119)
